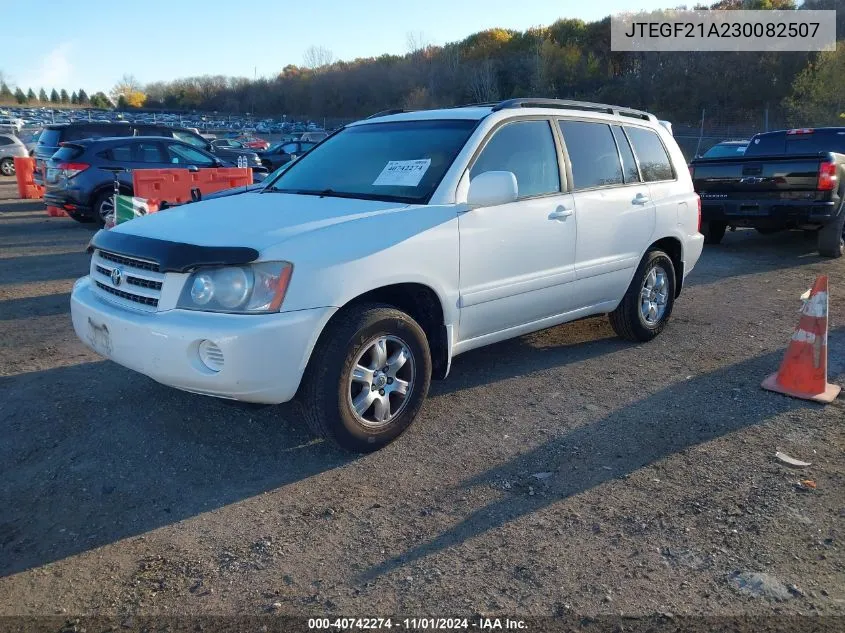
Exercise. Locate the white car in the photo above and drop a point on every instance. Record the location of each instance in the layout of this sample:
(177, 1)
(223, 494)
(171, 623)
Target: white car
(358, 274)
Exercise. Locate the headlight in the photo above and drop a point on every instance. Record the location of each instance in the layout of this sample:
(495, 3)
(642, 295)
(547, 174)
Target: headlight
(239, 289)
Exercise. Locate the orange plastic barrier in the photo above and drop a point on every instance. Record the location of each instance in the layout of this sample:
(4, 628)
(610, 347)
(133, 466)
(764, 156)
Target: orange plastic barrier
(174, 186)
(24, 169)
(803, 373)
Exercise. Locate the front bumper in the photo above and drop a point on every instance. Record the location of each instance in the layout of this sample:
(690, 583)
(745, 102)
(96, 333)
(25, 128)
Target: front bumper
(264, 356)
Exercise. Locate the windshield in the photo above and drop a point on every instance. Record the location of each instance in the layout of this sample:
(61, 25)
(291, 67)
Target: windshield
(723, 151)
(398, 161)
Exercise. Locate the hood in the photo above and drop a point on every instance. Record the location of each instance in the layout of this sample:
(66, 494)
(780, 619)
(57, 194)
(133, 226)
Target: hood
(255, 220)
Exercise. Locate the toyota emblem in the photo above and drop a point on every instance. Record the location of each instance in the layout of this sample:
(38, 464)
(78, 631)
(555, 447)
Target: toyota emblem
(116, 276)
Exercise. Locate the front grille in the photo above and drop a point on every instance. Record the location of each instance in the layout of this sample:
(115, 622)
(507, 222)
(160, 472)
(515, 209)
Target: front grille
(139, 282)
(128, 295)
(129, 261)
(135, 281)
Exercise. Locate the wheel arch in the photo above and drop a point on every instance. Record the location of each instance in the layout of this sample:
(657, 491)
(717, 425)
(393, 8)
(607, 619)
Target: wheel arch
(674, 248)
(424, 305)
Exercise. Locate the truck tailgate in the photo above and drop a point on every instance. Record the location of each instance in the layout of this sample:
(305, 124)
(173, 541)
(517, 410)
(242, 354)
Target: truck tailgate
(755, 175)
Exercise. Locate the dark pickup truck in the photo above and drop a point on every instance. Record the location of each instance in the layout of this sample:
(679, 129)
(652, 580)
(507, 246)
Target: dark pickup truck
(790, 179)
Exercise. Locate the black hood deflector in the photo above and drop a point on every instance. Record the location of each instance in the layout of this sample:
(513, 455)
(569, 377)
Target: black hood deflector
(171, 257)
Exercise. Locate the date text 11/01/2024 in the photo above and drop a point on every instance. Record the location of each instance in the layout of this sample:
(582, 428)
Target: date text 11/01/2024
(416, 624)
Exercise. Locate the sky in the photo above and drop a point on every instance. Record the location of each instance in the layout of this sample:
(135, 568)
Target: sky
(91, 44)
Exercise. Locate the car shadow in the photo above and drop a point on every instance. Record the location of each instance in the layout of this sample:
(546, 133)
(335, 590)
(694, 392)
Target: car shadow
(747, 252)
(620, 444)
(49, 267)
(95, 453)
(29, 307)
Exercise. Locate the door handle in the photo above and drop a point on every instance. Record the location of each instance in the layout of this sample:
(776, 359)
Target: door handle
(561, 213)
(641, 198)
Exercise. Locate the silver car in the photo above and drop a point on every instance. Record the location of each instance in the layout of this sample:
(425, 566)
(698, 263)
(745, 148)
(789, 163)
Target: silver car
(10, 146)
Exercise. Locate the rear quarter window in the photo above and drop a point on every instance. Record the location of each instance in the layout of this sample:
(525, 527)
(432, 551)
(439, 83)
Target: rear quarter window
(68, 152)
(49, 137)
(654, 161)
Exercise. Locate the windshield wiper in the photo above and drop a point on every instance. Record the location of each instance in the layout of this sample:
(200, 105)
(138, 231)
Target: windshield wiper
(331, 193)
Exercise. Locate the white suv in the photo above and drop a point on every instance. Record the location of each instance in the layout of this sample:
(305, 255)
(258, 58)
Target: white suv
(357, 274)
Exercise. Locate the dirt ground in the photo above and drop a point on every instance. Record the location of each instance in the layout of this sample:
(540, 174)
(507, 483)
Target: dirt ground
(565, 472)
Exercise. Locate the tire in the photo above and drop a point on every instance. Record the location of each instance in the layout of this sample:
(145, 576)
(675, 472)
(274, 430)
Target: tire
(328, 388)
(103, 204)
(713, 231)
(832, 237)
(628, 320)
(7, 167)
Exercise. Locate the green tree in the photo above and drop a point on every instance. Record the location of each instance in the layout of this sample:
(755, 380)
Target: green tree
(818, 93)
(54, 96)
(42, 95)
(20, 97)
(63, 96)
(5, 92)
(74, 98)
(83, 97)
(100, 100)
(30, 95)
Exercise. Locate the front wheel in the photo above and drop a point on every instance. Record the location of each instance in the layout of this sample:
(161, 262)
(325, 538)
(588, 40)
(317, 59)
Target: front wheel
(647, 305)
(367, 377)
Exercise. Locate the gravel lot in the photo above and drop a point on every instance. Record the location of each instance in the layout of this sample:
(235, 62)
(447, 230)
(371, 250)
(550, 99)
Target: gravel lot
(565, 472)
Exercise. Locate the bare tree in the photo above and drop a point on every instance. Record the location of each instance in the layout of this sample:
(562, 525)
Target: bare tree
(317, 57)
(416, 41)
(482, 82)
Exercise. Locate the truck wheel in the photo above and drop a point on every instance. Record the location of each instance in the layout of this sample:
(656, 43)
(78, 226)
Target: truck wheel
(367, 377)
(647, 305)
(832, 237)
(713, 231)
(7, 167)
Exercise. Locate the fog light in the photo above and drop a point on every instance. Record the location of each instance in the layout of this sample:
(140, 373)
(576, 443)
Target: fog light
(211, 355)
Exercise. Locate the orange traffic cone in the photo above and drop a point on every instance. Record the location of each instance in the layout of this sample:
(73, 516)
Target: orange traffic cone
(803, 373)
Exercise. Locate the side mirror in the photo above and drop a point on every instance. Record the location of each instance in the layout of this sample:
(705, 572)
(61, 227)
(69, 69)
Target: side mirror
(193, 168)
(492, 188)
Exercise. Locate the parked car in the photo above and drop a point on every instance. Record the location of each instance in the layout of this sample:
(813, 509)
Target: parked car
(78, 177)
(253, 142)
(10, 147)
(726, 148)
(52, 136)
(789, 179)
(314, 137)
(390, 248)
(283, 152)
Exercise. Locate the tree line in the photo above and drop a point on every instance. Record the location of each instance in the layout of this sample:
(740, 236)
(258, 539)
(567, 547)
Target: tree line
(56, 97)
(568, 59)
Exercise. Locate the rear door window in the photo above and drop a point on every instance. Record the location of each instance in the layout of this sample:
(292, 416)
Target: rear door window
(68, 152)
(592, 154)
(654, 161)
(148, 152)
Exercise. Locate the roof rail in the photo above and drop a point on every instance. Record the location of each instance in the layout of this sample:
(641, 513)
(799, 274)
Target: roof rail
(385, 113)
(573, 105)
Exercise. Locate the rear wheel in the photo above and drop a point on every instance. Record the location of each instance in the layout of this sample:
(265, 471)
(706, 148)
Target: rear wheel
(832, 237)
(713, 231)
(7, 167)
(367, 377)
(103, 207)
(648, 303)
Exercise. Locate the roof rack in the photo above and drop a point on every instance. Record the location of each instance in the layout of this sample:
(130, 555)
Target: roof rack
(386, 113)
(573, 105)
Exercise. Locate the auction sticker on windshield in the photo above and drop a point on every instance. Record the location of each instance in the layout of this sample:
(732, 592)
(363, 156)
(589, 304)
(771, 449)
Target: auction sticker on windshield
(403, 173)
